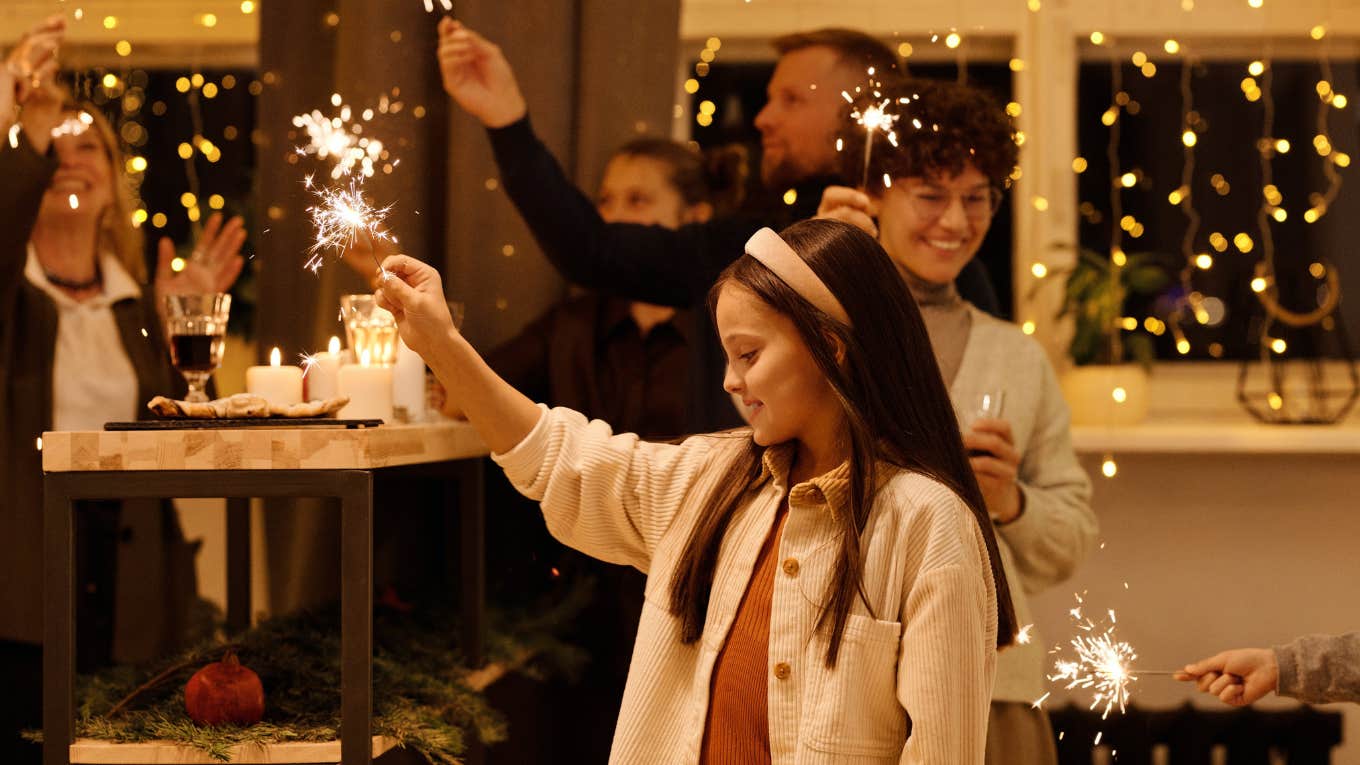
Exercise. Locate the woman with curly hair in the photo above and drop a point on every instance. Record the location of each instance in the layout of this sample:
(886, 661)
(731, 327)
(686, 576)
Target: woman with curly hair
(934, 195)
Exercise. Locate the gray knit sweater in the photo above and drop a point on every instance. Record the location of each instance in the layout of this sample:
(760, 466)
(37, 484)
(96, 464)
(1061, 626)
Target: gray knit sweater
(978, 353)
(1318, 669)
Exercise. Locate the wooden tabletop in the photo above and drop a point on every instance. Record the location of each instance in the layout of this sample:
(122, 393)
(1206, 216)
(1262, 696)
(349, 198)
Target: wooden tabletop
(260, 448)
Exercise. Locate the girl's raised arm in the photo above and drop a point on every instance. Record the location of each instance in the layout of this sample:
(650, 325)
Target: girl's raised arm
(610, 496)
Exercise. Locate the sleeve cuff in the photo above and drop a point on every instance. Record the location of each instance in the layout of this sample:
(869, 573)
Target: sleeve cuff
(507, 138)
(523, 462)
(1287, 683)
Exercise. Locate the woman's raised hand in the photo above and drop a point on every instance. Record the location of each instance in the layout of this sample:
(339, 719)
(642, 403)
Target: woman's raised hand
(214, 266)
(851, 206)
(478, 77)
(414, 293)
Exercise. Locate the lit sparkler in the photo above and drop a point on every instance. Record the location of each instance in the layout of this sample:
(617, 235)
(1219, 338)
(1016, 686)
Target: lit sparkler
(1102, 664)
(340, 139)
(73, 126)
(341, 216)
(874, 118)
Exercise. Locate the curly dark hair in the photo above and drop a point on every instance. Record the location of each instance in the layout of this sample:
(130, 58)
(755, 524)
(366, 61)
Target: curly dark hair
(943, 126)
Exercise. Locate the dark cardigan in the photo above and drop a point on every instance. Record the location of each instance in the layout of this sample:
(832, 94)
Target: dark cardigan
(155, 581)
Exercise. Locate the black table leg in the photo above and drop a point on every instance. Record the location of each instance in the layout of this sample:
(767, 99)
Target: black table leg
(59, 621)
(356, 617)
(238, 564)
(472, 511)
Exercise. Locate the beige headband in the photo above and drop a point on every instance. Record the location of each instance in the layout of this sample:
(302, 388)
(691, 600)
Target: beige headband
(771, 250)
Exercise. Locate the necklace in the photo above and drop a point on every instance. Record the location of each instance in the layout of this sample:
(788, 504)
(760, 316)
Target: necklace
(75, 286)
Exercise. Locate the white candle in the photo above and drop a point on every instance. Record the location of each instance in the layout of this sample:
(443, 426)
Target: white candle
(408, 383)
(276, 384)
(323, 374)
(369, 389)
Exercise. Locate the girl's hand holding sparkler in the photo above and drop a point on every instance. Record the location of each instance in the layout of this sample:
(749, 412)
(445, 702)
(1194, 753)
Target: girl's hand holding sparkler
(214, 265)
(1238, 677)
(851, 206)
(478, 77)
(414, 293)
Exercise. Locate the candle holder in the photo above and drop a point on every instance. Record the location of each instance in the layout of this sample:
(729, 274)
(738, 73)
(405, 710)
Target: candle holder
(370, 330)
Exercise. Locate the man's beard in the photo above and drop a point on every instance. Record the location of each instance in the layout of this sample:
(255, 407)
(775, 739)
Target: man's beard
(782, 174)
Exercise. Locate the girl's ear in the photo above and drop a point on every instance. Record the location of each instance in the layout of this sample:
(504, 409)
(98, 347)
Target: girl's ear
(837, 347)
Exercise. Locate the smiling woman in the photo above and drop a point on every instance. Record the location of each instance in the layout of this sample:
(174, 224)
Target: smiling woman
(80, 345)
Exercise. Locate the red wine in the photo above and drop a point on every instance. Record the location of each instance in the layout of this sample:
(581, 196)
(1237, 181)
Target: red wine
(196, 353)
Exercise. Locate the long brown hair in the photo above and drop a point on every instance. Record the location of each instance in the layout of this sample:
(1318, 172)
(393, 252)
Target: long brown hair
(895, 404)
(117, 234)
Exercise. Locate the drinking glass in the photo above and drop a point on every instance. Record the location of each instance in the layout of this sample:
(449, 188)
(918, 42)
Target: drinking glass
(371, 330)
(989, 404)
(197, 326)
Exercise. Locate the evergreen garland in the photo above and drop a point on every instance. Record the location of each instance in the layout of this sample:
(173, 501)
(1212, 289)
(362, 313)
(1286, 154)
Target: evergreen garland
(424, 696)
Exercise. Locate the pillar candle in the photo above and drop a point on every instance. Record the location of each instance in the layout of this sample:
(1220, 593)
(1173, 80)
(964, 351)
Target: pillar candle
(323, 373)
(408, 384)
(370, 392)
(276, 384)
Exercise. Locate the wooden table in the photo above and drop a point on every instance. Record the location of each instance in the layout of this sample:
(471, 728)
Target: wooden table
(239, 464)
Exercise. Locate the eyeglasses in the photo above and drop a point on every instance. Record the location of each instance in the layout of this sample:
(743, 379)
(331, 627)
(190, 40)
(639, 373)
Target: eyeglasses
(932, 203)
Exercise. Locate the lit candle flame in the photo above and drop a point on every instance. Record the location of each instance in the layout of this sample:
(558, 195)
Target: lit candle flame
(275, 358)
(334, 346)
(74, 201)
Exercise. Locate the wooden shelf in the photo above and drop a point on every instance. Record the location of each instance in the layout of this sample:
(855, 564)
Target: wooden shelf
(98, 752)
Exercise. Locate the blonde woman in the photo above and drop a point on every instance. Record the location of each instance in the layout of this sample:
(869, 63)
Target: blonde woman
(80, 344)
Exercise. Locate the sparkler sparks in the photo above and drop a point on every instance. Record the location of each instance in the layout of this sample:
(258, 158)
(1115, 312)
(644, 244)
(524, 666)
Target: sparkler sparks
(1102, 663)
(876, 117)
(340, 216)
(340, 139)
(73, 126)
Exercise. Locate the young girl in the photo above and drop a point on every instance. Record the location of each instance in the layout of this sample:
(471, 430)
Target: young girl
(946, 181)
(822, 586)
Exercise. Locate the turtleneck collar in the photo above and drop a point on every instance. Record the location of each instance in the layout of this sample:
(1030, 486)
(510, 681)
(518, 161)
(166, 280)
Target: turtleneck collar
(930, 294)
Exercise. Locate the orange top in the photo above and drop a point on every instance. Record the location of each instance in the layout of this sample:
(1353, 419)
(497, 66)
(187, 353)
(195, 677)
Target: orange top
(738, 729)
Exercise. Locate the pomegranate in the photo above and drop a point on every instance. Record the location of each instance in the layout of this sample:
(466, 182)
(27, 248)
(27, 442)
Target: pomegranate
(224, 692)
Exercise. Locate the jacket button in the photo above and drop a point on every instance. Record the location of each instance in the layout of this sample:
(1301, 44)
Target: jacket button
(782, 670)
(791, 567)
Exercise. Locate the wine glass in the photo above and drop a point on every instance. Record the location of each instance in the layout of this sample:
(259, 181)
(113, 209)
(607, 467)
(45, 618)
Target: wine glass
(197, 326)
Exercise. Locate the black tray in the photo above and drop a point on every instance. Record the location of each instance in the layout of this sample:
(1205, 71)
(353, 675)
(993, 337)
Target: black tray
(185, 423)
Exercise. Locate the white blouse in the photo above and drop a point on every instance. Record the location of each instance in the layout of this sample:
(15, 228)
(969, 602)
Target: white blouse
(93, 380)
(922, 664)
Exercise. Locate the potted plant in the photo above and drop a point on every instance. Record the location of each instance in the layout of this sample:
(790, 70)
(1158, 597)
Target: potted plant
(1112, 353)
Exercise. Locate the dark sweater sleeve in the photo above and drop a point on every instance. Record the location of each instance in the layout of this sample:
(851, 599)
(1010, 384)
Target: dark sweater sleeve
(24, 175)
(1318, 669)
(649, 263)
